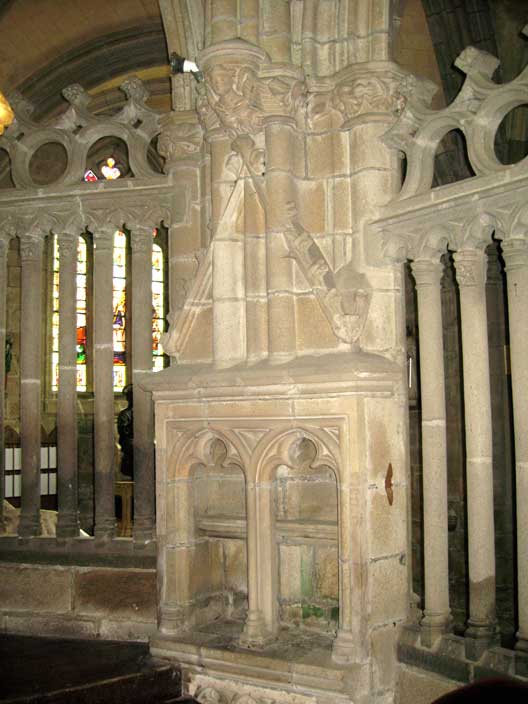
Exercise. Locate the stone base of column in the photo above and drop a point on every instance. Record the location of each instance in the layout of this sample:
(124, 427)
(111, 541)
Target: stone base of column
(345, 648)
(29, 525)
(144, 529)
(433, 626)
(521, 656)
(105, 529)
(480, 637)
(68, 525)
(171, 620)
(255, 633)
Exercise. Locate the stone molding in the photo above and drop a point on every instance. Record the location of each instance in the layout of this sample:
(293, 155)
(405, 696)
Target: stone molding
(425, 227)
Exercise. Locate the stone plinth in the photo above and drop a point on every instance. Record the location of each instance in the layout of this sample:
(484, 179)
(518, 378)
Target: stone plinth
(281, 519)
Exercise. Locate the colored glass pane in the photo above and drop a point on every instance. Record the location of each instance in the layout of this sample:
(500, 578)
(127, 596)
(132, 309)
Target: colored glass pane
(157, 307)
(119, 308)
(81, 342)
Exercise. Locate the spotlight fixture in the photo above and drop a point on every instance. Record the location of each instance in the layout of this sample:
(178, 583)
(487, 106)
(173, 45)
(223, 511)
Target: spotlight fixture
(179, 64)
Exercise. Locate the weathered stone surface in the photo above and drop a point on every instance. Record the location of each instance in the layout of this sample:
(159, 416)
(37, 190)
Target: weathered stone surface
(118, 593)
(38, 589)
(421, 687)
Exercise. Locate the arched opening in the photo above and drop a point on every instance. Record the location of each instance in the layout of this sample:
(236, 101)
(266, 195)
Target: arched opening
(219, 562)
(99, 154)
(305, 514)
(451, 161)
(511, 138)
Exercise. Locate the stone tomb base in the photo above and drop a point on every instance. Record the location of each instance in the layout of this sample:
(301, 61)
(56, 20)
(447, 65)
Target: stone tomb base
(295, 669)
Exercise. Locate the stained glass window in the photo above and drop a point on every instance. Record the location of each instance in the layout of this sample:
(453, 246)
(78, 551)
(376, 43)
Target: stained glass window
(119, 319)
(119, 306)
(81, 315)
(157, 307)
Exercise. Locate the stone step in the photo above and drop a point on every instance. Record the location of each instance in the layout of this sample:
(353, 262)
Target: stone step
(59, 671)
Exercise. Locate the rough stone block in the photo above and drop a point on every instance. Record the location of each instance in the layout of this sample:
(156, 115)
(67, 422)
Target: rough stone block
(37, 589)
(296, 572)
(418, 687)
(314, 332)
(388, 590)
(127, 630)
(327, 155)
(326, 581)
(305, 500)
(126, 594)
(53, 625)
(387, 523)
(235, 565)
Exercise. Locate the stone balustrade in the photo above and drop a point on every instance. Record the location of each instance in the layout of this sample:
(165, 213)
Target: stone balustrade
(421, 224)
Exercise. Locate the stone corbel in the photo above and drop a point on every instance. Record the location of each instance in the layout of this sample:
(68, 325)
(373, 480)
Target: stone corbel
(180, 139)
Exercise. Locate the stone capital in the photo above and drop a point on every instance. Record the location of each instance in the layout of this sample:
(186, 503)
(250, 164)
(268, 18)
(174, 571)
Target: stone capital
(470, 267)
(104, 239)
(31, 247)
(141, 239)
(67, 243)
(427, 272)
(180, 139)
(515, 253)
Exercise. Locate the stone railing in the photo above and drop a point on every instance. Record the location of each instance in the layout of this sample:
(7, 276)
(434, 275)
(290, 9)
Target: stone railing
(421, 224)
(67, 208)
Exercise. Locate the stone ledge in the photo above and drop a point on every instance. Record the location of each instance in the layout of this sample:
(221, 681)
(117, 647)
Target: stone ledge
(448, 660)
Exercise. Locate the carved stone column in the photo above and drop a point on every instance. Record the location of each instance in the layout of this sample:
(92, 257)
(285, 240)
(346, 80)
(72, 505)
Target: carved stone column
(255, 632)
(515, 252)
(436, 618)
(103, 384)
(5, 237)
(31, 246)
(68, 518)
(142, 359)
(280, 187)
(470, 265)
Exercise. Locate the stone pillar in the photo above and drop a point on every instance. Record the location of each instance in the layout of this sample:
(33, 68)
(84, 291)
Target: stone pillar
(279, 135)
(31, 246)
(4, 248)
(350, 645)
(104, 385)
(470, 265)
(515, 252)
(255, 632)
(255, 276)
(68, 518)
(427, 275)
(144, 506)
